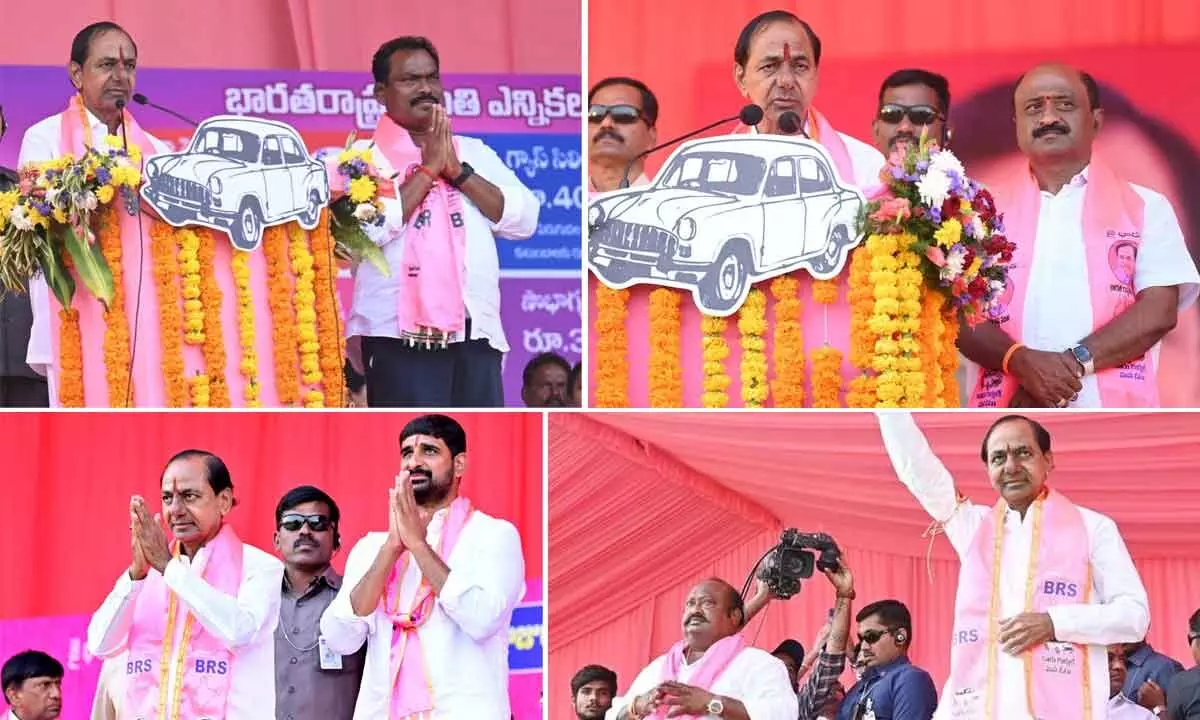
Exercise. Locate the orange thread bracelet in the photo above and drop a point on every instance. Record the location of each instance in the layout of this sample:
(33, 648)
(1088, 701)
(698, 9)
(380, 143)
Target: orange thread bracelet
(428, 173)
(1008, 356)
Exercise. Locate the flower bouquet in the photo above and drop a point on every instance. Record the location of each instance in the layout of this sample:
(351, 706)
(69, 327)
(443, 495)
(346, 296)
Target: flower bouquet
(361, 184)
(47, 221)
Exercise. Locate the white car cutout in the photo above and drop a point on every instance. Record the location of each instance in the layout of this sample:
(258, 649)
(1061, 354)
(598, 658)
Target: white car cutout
(239, 175)
(723, 214)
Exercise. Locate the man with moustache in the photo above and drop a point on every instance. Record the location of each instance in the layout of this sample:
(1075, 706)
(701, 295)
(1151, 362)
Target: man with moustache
(32, 683)
(622, 113)
(1119, 706)
(545, 382)
(777, 62)
(1019, 655)
(311, 683)
(1075, 333)
(912, 102)
(430, 334)
(712, 671)
(207, 602)
(592, 692)
(433, 596)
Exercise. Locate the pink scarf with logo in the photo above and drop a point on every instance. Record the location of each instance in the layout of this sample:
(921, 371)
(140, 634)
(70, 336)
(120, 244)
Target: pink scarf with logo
(1057, 676)
(434, 260)
(1113, 215)
(205, 664)
(412, 695)
(709, 667)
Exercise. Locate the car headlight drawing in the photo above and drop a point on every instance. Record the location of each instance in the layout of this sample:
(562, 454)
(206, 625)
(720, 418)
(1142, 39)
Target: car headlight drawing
(214, 185)
(685, 228)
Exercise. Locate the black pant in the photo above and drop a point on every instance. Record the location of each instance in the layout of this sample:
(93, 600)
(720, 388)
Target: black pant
(24, 392)
(464, 374)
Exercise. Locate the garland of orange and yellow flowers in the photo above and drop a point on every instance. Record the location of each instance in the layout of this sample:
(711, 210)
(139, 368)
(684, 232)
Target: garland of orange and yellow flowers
(240, 266)
(787, 354)
(332, 339)
(665, 366)
(116, 324)
(894, 322)
(306, 317)
(826, 359)
(283, 328)
(70, 354)
(715, 349)
(752, 324)
(612, 347)
(213, 348)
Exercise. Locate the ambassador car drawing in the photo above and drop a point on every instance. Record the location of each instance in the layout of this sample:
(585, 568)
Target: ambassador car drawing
(240, 174)
(724, 213)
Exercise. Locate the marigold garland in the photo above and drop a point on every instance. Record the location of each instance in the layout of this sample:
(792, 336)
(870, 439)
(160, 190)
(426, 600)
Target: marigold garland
(665, 368)
(752, 324)
(910, 282)
(861, 390)
(214, 337)
(884, 322)
(948, 359)
(931, 338)
(283, 330)
(825, 291)
(116, 323)
(826, 360)
(189, 267)
(306, 313)
(612, 347)
(787, 354)
(164, 248)
(240, 266)
(201, 391)
(329, 331)
(70, 359)
(716, 380)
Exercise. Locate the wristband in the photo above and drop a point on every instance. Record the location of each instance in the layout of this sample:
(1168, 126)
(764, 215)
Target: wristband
(1008, 356)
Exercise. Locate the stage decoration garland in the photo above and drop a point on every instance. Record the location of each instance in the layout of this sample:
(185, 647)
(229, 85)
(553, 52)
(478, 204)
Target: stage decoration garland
(116, 324)
(164, 251)
(70, 359)
(826, 359)
(665, 367)
(193, 306)
(787, 355)
(283, 331)
(612, 346)
(306, 317)
(752, 324)
(329, 327)
(716, 380)
(248, 366)
(214, 337)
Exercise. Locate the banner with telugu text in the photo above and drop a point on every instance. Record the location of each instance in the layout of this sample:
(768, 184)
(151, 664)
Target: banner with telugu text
(531, 121)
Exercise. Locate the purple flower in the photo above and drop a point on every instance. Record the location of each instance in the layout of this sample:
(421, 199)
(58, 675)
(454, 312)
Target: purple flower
(922, 165)
(898, 173)
(103, 176)
(43, 207)
(935, 214)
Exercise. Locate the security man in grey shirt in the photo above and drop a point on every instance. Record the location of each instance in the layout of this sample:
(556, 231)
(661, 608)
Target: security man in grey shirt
(310, 682)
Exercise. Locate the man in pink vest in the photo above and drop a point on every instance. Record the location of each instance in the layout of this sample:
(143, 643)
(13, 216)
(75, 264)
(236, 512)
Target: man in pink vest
(1045, 585)
(196, 617)
(1100, 272)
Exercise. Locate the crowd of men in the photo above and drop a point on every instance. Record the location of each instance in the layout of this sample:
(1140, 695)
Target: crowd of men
(417, 627)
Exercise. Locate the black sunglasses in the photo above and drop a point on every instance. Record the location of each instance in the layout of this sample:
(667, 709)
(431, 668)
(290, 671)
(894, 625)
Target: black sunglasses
(621, 114)
(870, 637)
(1193, 637)
(893, 114)
(294, 521)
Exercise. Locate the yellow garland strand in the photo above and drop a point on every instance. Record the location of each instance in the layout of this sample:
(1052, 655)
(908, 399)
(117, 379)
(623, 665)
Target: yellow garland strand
(752, 324)
(862, 389)
(910, 282)
(665, 367)
(884, 322)
(716, 381)
(70, 359)
(306, 316)
(164, 248)
(116, 323)
(189, 266)
(214, 337)
(283, 331)
(200, 391)
(329, 327)
(612, 348)
(787, 354)
(931, 338)
(948, 359)
(240, 265)
(826, 360)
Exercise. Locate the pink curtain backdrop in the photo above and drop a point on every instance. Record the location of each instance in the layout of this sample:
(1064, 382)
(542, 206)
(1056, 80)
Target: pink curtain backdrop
(484, 36)
(643, 506)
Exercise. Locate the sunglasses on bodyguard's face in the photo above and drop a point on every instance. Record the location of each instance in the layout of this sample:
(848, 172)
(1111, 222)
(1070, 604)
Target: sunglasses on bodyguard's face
(893, 114)
(1193, 637)
(870, 637)
(294, 521)
(621, 114)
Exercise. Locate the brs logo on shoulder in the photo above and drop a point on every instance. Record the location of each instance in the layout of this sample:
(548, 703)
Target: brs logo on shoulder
(962, 637)
(1060, 589)
(136, 667)
(211, 667)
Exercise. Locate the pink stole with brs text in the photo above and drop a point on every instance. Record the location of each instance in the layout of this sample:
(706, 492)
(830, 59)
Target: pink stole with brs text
(142, 308)
(433, 264)
(1113, 215)
(200, 669)
(1057, 679)
(711, 665)
(412, 694)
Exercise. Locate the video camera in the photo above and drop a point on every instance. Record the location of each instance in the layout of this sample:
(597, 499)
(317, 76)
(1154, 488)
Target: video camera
(795, 558)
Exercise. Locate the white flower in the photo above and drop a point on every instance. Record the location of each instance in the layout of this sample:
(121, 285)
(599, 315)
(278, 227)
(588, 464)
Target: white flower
(944, 161)
(90, 202)
(977, 230)
(954, 264)
(365, 212)
(995, 287)
(51, 194)
(934, 187)
(20, 218)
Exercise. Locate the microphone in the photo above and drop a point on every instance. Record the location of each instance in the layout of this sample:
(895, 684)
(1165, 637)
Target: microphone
(141, 99)
(121, 109)
(789, 123)
(749, 115)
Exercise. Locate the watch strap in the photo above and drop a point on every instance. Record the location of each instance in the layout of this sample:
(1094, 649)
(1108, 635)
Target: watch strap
(467, 172)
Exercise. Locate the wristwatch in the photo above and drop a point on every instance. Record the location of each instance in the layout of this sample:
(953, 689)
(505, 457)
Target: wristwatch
(1159, 711)
(467, 171)
(1084, 356)
(716, 707)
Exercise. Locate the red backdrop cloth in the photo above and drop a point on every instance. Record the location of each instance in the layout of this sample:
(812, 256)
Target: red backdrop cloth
(643, 506)
(66, 480)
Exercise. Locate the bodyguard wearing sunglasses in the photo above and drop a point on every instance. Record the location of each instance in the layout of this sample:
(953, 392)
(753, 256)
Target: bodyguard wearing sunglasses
(891, 687)
(911, 102)
(311, 683)
(621, 116)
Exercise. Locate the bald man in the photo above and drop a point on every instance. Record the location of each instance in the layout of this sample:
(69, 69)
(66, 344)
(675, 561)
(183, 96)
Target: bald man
(1084, 315)
(712, 671)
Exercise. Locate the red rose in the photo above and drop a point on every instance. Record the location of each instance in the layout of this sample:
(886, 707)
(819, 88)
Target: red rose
(985, 205)
(951, 208)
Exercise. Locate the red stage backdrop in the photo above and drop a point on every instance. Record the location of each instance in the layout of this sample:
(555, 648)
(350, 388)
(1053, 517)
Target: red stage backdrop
(1136, 51)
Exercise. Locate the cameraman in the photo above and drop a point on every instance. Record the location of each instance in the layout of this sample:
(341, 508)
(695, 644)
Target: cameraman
(822, 681)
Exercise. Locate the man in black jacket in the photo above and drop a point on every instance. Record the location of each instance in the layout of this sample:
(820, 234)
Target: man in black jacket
(20, 386)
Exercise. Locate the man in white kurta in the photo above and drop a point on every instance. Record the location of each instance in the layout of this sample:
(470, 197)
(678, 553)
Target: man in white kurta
(1118, 613)
(755, 681)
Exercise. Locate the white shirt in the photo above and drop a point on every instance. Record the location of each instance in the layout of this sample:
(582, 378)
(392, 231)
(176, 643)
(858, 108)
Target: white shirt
(754, 677)
(465, 639)
(1058, 301)
(1119, 612)
(374, 309)
(245, 623)
(1121, 708)
(866, 160)
(40, 144)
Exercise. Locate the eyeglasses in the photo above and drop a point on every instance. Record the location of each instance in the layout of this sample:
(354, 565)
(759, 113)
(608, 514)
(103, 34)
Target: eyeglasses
(870, 637)
(294, 521)
(621, 114)
(893, 114)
